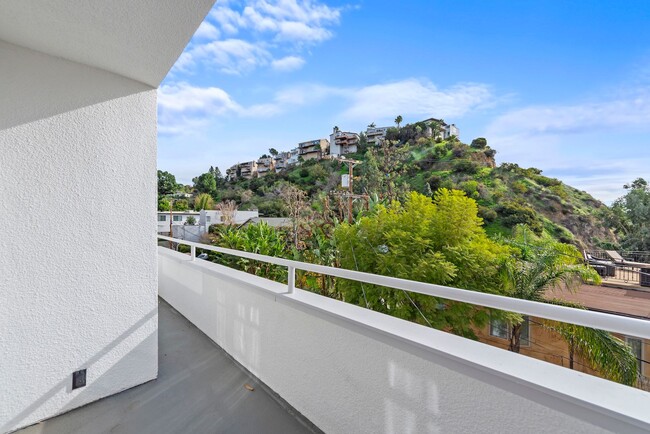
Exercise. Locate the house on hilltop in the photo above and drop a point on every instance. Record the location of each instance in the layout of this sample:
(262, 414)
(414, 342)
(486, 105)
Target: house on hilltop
(444, 130)
(342, 142)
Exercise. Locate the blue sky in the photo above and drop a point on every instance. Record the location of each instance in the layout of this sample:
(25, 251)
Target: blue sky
(560, 85)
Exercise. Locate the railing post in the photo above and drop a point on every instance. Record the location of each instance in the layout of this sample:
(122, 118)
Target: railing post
(291, 280)
(193, 252)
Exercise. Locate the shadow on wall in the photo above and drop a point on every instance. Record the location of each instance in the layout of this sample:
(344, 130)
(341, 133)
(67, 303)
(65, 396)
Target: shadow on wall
(93, 382)
(37, 86)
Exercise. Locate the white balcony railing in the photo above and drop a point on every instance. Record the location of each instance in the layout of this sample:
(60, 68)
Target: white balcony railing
(350, 369)
(603, 321)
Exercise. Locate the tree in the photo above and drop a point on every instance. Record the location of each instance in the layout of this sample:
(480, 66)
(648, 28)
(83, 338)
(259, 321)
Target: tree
(218, 177)
(205, 183)
(273, 152)
(164, 205)
(166, 183)
(181, 205)
(295, 203)
(191, 221)
(542, 264)
(382, 170)
(203, 201)
(607, 354)
(372, 125)
(435, 129)
(631, 216)
(440, 241)
(398, 120)
(228, 210)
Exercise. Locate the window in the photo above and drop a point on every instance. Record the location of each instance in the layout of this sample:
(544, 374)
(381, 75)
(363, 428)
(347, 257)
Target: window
(637, 349)
(178, 218)
(208, 218)
(503, 330)
(499, 329)
(162, 218)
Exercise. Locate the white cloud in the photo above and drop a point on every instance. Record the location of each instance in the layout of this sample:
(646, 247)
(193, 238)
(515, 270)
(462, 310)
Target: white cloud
(231, 56)
(577, 142)
(288, 63)
(182, 107)
(264, 26)
(206, 31)
(416, 98)
(381, 102)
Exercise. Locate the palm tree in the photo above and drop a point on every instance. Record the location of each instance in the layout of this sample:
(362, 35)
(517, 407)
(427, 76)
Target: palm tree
(398, 120)
(544, 264)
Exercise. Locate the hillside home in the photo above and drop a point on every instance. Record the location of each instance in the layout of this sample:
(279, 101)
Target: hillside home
(445, 130)
(265, 166)
(293, 159)
(375, 135)
(247, 170)
(281, 161)
(342, 142)
(313, 149)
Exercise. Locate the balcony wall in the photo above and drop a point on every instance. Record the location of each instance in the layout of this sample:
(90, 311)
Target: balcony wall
(75, 140)
(348, 369)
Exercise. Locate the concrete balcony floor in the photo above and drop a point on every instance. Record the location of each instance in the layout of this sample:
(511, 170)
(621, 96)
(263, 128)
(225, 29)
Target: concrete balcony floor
(199, 389)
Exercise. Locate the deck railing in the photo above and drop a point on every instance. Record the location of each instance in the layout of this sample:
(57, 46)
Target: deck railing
(599, 320)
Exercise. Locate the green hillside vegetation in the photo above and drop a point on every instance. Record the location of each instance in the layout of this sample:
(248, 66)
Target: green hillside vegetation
(506, 195)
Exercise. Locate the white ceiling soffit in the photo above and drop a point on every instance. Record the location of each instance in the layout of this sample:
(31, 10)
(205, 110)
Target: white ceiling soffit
(139, 39)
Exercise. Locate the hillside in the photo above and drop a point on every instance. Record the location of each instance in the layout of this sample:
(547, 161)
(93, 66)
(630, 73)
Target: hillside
(506, 195)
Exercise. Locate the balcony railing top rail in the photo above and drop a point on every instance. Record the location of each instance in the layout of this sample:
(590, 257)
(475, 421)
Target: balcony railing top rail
(599, 320)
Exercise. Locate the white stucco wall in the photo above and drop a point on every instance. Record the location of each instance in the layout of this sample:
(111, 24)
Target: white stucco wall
(73, 139)
(350, 370)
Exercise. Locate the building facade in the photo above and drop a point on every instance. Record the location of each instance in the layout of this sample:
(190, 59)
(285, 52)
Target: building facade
(313, 149)
(342, 142)
(376, 135)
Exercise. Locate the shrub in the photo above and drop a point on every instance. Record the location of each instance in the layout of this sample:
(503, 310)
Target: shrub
(519, 187)
(458, 152)
(487, 214)
(513, 213)
(466, 166)
(479, 143)
(490, 153)
(560, 191)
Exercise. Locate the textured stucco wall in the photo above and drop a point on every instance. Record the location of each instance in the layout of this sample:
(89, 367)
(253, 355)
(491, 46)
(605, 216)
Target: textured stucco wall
(77, 144)
(347, 378)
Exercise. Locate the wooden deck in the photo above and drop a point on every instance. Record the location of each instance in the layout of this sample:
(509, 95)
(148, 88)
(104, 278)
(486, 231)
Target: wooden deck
(628, 302)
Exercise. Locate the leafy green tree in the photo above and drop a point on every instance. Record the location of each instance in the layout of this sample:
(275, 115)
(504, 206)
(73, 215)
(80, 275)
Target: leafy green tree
(440, 241)
(631, 216)
(398, 120)
(274, 152)
(479, 143)
(205, 183)
(164, 205)
(203, 201)
(166, 183)
(181, 205)
(382, 170)
(191, 221)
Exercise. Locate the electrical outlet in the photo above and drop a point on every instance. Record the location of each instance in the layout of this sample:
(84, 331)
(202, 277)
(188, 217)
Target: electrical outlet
(78, 379)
